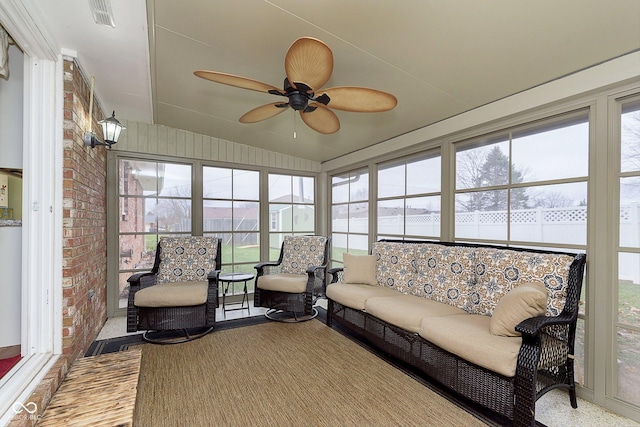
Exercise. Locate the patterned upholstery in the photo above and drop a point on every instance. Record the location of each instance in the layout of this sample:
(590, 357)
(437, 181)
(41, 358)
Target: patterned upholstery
(302, 252)
(395, 265)
(470, 278)
(446, 274)
(186, 259)
(500, 270)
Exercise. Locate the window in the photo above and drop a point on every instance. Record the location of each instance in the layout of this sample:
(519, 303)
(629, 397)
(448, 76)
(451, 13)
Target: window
(291, 209)
(154, 200)
(627, 337)
(231, 211)
(349, 214)
(409, 198)
(508, 187)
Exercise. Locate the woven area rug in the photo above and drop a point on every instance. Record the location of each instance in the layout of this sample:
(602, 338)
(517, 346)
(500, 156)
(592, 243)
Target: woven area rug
(276, 374)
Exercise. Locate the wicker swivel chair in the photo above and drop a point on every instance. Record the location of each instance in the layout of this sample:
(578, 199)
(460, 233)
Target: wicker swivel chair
(290, 286)
(180, 294)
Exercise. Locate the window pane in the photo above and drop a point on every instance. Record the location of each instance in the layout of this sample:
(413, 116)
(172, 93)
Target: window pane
(359, 186)
(303, 189)
(629, 289)
(174, 180)
(138, 177)
(423, 176)
(391, 216)
(359, 218)
(217, 215)
(629, 213)
(481, 215)
(303, 218)
(423, 216)
(559, 216)
(246, 248)
(174, 215)
(216, 183)
(132, 215)
(569, 145)
(280, 217)
(246, 185)
(391, 181)
(483, 166)
(358, 244)
(246, 216)
(630, 138)
(340, 189)
(280, 188)
(137, 251)
(340, 218)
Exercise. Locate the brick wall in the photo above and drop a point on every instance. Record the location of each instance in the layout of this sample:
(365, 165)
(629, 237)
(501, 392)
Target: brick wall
(84, 257)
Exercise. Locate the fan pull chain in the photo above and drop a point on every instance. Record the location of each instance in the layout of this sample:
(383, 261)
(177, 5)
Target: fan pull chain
(294, 125)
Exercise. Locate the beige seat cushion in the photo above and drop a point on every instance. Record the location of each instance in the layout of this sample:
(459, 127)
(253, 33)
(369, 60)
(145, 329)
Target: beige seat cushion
(520, 303)
(407, 311)
(359, 269)
(284, 282)
(354, 295)
(172, 294)
(468, 336)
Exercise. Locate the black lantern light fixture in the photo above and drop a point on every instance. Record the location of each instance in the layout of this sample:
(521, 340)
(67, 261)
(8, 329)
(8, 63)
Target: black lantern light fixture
(111, 129)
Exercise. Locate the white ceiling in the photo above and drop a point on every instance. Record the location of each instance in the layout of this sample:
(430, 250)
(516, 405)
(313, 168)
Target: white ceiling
(439, 58)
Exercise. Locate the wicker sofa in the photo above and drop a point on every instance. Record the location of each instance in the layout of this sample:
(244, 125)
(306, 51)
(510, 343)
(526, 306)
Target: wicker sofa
(494, 324)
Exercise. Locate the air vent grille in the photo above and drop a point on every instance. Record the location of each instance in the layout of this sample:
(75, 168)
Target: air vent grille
(102, 12)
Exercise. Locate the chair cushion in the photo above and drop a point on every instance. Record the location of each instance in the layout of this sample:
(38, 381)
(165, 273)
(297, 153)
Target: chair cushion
(185, 259)
(302, 252)
(520, 303)
(172, 294)
(355, 295)
(359, 269)
(407, 311)
(283, 282)
(468, 336)
(396, 265)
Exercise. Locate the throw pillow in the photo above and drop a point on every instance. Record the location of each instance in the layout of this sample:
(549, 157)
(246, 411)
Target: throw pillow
(359, 269)
(520, 303)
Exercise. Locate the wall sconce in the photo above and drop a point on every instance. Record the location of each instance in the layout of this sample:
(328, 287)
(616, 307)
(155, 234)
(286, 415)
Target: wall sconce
(111, 129)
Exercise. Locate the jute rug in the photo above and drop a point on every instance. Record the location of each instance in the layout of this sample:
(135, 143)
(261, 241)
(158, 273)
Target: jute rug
(277, 374)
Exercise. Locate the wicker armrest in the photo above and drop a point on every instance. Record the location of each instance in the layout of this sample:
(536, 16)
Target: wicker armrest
(336, 274)
(534, 325)
(135, 278)
(262, 265)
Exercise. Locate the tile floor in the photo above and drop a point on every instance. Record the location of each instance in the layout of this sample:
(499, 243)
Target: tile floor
(553, 409)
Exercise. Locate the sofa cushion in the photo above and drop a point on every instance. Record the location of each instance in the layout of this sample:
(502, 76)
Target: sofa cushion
(283, 282)
(468, 337)
(395, 265)
(355, 295)
(446, 273)
(407, 311)
(520, 303)
(500, 270)
(359, 269)
(172, 294)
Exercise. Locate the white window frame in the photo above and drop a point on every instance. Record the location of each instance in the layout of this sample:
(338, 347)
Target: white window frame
(41, 323)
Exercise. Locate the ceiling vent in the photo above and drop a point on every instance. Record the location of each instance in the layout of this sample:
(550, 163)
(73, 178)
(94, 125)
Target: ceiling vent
(102, 12)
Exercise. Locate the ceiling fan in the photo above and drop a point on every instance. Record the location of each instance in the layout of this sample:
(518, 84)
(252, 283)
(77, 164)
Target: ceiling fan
(308, 66)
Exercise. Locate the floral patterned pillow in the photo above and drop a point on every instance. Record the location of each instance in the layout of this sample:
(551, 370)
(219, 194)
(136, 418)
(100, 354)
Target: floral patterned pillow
(500, 270)
(396, 265)
(186, 259)
(446, 273)
(302, 252)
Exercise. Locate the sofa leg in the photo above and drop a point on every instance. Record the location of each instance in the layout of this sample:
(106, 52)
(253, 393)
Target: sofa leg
(329, 311)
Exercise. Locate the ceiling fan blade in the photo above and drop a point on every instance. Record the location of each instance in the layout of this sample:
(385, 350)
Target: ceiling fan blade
(309, 61)
(359, 99)
(237, 81)
(321, 119)
(263, 112)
